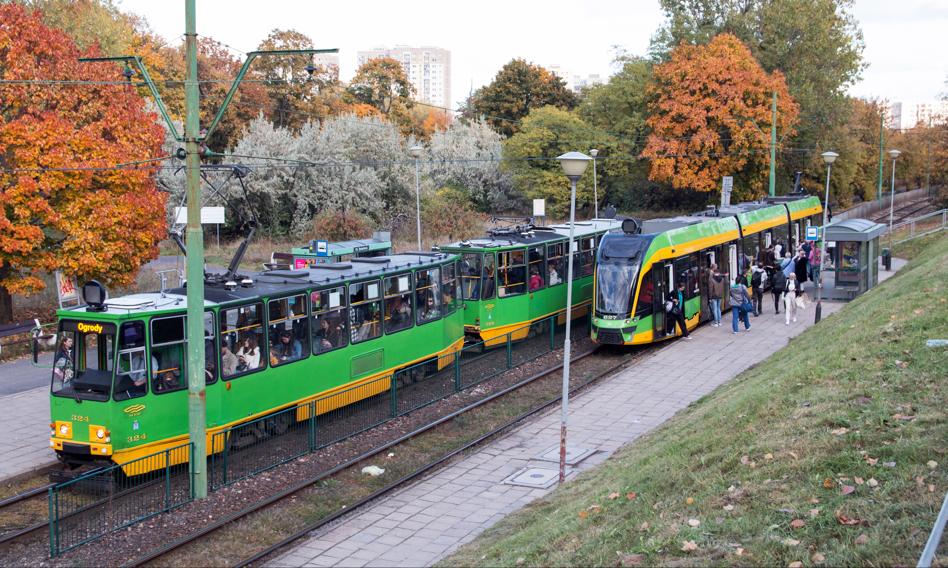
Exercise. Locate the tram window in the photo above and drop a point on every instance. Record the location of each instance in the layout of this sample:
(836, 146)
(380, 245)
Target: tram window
(329, 319)
(241, 338)
(537, 268)
(398, 302)
(210, 349)
(365, 311)
(750, 248)
(428, 294)
(289, 330)
(131, 379)
(587, 256)
(83, 364)
(168, 354)
(449, 288)
(511, 272)
(556, 263)
(488, 283)
(471, 276)
(646, 296)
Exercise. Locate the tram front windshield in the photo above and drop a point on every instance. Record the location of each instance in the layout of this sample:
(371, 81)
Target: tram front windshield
(620, 258)
(84, 358)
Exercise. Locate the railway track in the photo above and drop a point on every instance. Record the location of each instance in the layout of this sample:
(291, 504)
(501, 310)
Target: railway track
(605, 368)
(23, 507)
(903, 212)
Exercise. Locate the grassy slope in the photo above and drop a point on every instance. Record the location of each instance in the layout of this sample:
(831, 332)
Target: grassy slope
(768, 448)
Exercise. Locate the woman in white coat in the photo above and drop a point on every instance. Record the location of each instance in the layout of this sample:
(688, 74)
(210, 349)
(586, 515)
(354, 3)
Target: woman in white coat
(790, 299)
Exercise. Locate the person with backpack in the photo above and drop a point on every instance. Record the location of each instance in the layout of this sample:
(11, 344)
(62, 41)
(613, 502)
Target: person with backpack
(758, 278)
(675, 307)
(716, 285)
(777, 287)
(740, 304)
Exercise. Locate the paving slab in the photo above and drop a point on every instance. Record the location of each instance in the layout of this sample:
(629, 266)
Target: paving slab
(611, 414)
(24, 417)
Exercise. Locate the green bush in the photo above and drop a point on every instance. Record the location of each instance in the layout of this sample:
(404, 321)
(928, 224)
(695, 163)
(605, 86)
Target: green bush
(340, 225)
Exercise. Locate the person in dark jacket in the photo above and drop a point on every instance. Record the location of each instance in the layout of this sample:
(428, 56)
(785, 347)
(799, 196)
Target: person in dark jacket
(737, 294)
(777, 287)
(676, 301)
(717, 284)
(801, 268)
(758, 278)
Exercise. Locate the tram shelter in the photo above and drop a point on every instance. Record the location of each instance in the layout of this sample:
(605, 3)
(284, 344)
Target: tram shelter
(852, 263)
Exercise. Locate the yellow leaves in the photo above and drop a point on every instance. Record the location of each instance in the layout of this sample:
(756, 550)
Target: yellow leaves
(689, 546)
(797, 524)
(690, 501)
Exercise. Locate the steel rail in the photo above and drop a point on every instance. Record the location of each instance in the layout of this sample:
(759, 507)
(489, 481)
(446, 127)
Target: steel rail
(170, 547)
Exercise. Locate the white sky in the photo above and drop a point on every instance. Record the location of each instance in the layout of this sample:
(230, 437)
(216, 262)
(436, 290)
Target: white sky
(905, 41)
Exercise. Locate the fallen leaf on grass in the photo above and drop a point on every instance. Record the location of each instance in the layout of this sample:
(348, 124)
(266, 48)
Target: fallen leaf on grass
(729, 507)
(688, 546)
(844, 520)
(631, 495)
(932, 464)
(828, 483)
(613, 496)
(870, 460)
(631, 559)
(931, 488)
(901, 364)
(689, 501)
(643, 526)
(814, 513)
(918, 311)
(521, 560)
(920, 481)
(861, 539)
(694, 522)
(859, 480)
(872, 482)
(790, 542)
(745, 460)
(797, 523)
(903, 417)
(795, 564)
(817, 558)
(847, 489)
(739, 551)
(813, 500)
(768, 456)
(839, 431)
(594, 508)
(583, 514)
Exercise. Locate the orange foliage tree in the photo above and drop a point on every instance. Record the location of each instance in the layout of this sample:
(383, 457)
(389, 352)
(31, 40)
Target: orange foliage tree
(62, 204)
(709, 115)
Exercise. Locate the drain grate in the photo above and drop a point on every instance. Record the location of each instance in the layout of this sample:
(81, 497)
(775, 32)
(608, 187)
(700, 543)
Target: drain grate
(536, 477)
(573, 455)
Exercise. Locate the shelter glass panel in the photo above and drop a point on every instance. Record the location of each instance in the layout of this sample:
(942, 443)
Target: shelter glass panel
(329, 319)
(365, 311)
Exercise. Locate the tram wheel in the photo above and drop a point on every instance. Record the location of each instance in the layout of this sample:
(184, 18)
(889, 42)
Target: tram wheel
(278, 425)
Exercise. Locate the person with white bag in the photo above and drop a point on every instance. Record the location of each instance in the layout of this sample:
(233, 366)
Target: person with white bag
(790, 299)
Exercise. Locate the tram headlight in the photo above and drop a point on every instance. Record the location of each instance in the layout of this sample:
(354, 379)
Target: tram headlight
(100, 433)
(63, 429)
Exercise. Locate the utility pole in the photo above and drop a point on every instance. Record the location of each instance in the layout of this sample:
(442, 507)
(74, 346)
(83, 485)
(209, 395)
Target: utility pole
(881, 151)
(928, 158)
(194, 240)
(773, 147)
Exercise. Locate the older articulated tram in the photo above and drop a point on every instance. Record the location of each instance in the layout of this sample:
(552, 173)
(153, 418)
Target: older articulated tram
(273, 340)
(517, 275)
(635, 272)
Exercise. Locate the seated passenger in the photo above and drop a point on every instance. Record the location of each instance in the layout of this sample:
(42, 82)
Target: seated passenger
(554, 274)
(229, 361)
(430, 311)
(288, 348)
(536, 281)
(398, 312)
(248, 356)
(167, 382)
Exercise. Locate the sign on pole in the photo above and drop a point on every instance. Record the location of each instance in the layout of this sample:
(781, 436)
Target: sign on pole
(322, 248)
(66, 290)
(209, 215)
(812, 233)
(727, 183)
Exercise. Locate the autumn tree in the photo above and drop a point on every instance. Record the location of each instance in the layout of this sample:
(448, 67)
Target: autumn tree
(63, 206)
(710, 117)
(382, 84)
(518, 88)
(299, 89)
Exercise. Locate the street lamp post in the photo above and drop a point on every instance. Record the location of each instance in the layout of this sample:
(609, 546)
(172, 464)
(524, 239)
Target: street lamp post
(415, 151)
(594, 152)
(894, 154)
(828, 159)
(574, 164)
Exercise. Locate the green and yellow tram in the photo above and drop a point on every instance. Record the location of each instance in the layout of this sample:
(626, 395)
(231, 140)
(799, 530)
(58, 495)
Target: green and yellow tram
(278, 339)
(635, 272)
(515, 276)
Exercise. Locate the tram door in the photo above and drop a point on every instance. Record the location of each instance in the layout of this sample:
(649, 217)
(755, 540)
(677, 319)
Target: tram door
(707, 258)
(663, 278)
(731, 274)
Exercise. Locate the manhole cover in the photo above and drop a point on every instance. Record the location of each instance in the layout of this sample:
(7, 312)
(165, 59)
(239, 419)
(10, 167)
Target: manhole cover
(536, 477)
(573, 455)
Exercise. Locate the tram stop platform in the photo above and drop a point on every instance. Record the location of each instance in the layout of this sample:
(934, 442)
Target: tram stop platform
(423, 523)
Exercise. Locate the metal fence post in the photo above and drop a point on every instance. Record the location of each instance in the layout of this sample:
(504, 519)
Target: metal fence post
(457, 371)
(53, 520)
(312, 426)
(225, 451)
(394, 389)
(509, 352)
(168, 479)
(552, 332)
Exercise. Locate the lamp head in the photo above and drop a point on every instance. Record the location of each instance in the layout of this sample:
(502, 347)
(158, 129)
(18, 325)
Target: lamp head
(574, 164)
(829, 157)
(893, 153)
(415, 150)
(594, 152)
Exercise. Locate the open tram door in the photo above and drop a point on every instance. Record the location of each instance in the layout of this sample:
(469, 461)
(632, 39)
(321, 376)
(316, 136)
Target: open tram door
(732, 272)
(663, 279)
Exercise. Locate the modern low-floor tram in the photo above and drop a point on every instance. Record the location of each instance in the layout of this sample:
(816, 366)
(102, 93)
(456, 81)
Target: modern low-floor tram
(635, 273)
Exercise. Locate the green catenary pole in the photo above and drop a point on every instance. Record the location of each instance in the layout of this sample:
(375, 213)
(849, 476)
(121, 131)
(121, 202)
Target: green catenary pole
(773, 147)
(197, 416)
(881, 150)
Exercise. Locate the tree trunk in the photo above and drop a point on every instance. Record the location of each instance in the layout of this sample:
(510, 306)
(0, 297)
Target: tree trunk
(6, 306)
